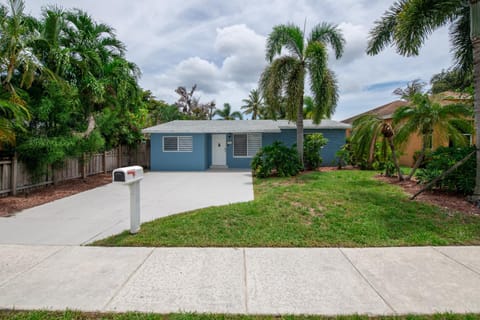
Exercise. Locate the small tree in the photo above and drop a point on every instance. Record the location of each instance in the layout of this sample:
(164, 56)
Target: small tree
(191, 106)
(367, 131)
(227, 114)
(311, 150)
(423, 117)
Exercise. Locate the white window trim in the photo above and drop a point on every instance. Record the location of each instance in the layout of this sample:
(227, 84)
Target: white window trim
(178, 143)
(247, 134)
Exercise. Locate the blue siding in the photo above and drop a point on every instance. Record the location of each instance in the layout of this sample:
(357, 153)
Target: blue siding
(179, 161)
(201, 157)
(336, 139)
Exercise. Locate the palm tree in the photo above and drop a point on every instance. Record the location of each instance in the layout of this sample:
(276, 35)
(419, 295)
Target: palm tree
(423, 117)
(285, 76)
(408, 23)
(367, 131)
(254, 104)
(308, 107)
(12, 116)
(412, 88)
(227, 114)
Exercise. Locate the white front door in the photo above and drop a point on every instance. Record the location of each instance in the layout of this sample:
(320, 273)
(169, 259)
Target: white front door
(219, 150)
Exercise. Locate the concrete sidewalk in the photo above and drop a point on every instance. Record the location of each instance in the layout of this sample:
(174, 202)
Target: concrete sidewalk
(328, 281)
(104, 211)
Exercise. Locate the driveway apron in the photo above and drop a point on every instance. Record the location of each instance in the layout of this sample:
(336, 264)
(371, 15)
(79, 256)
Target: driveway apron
(104, 211)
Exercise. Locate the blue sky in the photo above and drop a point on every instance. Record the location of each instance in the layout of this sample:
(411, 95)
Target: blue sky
(220, 45)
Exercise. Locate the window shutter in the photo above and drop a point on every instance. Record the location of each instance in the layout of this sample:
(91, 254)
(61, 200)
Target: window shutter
(185, 143)
(170, 143)
(254, 143)
(240, 145)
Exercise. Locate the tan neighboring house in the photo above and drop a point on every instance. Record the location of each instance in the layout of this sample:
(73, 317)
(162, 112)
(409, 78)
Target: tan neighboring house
(414, 143)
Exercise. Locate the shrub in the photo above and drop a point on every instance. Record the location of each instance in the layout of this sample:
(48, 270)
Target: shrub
(461, 180)
(311, 150)
(343, 156)
(276, 159)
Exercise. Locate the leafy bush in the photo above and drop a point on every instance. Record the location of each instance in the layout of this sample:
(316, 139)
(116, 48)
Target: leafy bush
(461, 180)
(343, 156)
(311, 150)
(276, 159)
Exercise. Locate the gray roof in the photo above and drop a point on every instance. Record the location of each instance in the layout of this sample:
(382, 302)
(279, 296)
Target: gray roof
(237, 126)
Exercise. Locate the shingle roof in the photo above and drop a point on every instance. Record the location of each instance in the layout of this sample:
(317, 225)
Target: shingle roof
(384, 111)
(237, 126)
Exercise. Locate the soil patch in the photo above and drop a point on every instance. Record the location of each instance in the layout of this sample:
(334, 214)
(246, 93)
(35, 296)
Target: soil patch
(448, 201)
(11, 205)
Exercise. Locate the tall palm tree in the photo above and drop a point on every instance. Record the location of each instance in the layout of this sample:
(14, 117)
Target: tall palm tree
(254, 104)
(423, 117)
(408, 23)
(227, 114)
(367, 131)
(285, 76)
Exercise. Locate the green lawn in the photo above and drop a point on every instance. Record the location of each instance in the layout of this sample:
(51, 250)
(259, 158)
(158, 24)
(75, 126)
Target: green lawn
(321, 209)
(74, 315)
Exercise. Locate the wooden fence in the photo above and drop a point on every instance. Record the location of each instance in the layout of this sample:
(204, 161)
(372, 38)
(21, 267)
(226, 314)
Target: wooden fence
(14, 176)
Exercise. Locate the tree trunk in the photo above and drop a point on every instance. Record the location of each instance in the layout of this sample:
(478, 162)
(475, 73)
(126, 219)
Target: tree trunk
(419, 160)
(475, 36)
(454, 167)
(394, 157)
(300, 132)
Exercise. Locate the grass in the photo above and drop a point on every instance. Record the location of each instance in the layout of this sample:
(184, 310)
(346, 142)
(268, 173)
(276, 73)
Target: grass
(75, 315)
(320, 209)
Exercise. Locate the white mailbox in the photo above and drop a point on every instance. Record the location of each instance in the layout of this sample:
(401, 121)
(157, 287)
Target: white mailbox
(127, 174)
(131, 176)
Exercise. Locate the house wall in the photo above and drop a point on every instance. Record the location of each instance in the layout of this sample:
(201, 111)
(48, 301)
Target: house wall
(336, 139)
(198, 159)
(201, 156)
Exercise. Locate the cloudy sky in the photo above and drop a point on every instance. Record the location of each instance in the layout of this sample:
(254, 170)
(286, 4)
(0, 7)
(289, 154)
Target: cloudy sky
(220, 45)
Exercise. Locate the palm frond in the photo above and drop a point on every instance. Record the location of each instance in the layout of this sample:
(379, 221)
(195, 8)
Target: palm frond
(288, 36)
(327, 33)
(462, 46)
(418, 19)
(382, 33)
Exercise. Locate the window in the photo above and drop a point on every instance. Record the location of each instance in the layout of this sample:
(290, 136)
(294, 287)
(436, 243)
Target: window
(178, 144)
(246, 144)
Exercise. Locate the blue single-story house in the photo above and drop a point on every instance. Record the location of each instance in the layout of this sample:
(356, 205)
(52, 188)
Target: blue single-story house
(193, 145)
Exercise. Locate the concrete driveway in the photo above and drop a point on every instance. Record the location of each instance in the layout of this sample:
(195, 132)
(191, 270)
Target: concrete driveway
(104, 211)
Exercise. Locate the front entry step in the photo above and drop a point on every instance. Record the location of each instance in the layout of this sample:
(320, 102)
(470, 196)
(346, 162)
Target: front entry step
(213, 166)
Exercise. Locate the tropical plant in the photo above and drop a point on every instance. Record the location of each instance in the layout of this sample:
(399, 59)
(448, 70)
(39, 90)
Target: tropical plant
(254, 104)
(276, 159)
(311, 150)
(424, 117)
(227, 114)
(190, 105)
(285, 76)
(461, 181)
(451, 80)
(408, 23)
(369, 130)
(412, 88)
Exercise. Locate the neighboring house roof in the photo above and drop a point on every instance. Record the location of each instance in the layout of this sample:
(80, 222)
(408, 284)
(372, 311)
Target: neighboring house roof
(384, 111)
(238, 126)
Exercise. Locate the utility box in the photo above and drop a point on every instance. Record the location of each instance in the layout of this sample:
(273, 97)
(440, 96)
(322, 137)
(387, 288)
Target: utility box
(131, 176)
(127, 175)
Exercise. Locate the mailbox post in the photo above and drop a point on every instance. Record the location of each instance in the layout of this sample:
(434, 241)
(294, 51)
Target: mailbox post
(131, 176)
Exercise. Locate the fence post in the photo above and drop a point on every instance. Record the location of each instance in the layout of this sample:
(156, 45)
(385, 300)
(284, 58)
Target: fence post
(14, 175)
(84, 166)
(119, 156)
(104, 161)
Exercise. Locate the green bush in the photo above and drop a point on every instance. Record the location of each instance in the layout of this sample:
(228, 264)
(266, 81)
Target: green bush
(276, 159)
(311, 150)
(461, 180)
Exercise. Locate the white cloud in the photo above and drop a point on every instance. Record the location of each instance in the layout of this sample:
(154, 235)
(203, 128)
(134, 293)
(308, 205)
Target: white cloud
(220, 45)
